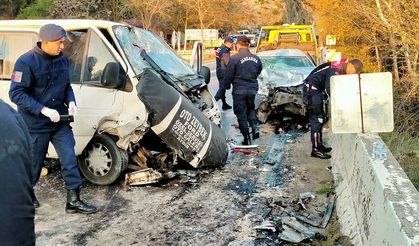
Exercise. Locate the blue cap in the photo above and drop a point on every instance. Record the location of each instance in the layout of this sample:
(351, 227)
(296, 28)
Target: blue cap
(229, 39)
(51, 32)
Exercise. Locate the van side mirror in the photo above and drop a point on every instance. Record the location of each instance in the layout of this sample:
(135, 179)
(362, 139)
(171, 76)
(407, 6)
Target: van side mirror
(111, 76)
(206, 73)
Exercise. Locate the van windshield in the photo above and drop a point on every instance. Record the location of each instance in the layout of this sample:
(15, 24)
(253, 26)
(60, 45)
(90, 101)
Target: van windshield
(133, 40)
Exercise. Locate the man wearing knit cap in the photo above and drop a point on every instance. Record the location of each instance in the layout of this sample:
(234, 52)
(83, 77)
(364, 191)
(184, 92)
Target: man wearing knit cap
(42, 91)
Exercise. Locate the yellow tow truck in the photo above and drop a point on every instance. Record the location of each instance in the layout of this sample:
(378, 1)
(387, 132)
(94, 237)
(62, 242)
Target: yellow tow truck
(302, 37)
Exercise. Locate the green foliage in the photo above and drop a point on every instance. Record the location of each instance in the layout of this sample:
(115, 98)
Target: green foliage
(404, 140)
(10, 8)
(324, 190)
(37, 10)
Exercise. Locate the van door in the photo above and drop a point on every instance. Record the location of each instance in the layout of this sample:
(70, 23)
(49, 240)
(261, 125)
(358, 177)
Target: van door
(13, 44)
(88, 53)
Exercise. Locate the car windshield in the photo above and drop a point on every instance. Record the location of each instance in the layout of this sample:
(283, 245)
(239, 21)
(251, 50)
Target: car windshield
(133, 40)
(285, 62)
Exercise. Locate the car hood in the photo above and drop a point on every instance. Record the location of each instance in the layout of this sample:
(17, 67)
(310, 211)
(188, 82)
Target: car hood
(283, 78)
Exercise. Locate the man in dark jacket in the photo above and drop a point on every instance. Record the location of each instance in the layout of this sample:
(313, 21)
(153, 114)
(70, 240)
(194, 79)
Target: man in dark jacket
(317, 89)
(222, 56)
(42, 92)
(16, 193)
(242, 71)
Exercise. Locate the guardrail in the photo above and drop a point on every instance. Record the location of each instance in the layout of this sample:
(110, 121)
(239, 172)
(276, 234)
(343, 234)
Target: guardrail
(376, 202)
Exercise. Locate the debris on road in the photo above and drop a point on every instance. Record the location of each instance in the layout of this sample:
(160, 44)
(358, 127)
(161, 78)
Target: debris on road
(266, 225)
(294, 231)
(252, 146)
(245, 149)
(329, 210)
(143, 177)
(303, 197)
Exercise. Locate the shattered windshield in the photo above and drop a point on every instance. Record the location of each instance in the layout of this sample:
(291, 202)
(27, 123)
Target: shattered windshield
(133, 40)
(283, 71)
(285, 62)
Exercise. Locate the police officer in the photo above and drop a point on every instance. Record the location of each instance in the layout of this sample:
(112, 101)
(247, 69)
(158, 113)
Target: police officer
(16, 194)
(317, 89)
(242, 71)
(222, 56)
(42, 92)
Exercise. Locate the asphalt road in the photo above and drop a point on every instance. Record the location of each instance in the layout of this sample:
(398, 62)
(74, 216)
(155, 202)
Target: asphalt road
(216, 207)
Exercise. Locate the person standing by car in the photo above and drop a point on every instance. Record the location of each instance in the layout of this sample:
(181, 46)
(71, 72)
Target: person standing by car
(42, 92)
(317, 89)
(242, 71)
(16, 194)
(222, 56)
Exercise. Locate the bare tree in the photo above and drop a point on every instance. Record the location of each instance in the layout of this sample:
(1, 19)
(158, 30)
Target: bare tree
(149, 11)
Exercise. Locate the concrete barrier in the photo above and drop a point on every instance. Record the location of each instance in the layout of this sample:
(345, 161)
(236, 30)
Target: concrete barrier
(377, 204)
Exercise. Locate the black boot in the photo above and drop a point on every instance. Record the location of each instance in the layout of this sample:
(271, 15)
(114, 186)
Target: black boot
(246, 140)
(75, 205)
(35, 202)
(255, 132)
(225, 104)
(324, 148)
(316, 152)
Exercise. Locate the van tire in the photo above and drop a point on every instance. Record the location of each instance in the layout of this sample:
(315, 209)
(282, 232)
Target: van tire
(102, 161)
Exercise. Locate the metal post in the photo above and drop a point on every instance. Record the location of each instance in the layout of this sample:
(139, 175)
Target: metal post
(360, 101)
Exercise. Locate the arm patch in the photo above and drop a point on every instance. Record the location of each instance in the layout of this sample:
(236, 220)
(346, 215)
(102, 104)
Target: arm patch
(17, 76)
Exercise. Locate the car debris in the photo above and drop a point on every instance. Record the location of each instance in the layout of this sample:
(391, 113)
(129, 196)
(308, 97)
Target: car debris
(329, 210)
(143, 177)
(245, 149)
(266, 225)
(294, 231)
(309, 219)
(303, 197)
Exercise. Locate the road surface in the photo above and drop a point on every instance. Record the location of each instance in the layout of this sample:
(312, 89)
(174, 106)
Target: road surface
(217, 207)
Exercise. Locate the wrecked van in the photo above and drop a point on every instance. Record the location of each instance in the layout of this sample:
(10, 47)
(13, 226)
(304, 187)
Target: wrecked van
(134, 95)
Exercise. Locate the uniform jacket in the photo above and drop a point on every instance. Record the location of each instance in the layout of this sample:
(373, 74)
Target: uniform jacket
(222, 56)
(318, 81)
(242, 71)
(16, 207)
(40, 80)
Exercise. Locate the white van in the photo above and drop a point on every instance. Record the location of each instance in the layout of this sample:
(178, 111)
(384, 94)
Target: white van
(131, 89)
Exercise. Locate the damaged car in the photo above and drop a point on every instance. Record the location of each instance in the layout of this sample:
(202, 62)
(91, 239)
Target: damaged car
(138, 102)
(280, 94)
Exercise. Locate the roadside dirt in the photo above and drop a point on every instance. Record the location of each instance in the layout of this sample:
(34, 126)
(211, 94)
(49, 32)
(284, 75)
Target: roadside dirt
(217, 207)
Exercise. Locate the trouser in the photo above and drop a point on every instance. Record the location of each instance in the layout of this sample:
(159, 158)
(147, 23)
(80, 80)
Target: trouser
(244, 109)
(63, 140)
(221, 92)
(316, 124)
(316, 116)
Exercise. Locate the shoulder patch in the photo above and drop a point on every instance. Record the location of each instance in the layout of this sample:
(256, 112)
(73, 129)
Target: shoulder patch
(336, 64)
(17, 76)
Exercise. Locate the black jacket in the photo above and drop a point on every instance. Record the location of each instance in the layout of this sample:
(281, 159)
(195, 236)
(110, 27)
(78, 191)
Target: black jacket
(242, 71)
(40, 80)
(222, 57)
(16, 193)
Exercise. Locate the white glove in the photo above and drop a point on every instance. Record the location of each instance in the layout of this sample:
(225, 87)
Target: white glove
(51, 113)
(72, 108)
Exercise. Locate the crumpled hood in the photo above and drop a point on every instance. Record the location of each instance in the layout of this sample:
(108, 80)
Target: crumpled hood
(270, 78)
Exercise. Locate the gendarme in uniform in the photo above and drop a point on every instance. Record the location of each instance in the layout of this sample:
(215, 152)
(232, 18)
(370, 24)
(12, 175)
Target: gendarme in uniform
(42, 92)
(242, 72)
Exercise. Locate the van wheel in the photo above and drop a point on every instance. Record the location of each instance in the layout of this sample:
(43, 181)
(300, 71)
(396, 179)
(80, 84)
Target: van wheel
(102, 161)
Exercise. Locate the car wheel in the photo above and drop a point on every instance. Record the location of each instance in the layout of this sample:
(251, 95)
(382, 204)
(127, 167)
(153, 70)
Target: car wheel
(102, 161)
